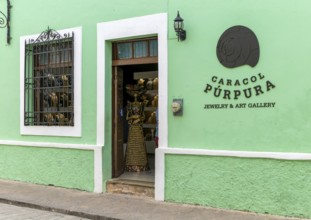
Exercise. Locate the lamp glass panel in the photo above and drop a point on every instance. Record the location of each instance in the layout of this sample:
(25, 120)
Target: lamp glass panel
(178, 25)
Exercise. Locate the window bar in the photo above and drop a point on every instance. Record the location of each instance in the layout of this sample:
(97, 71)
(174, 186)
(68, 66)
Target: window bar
(38, 81)
(43, 54)
(44, 83)
(58, 49)
(54, 72)
(68, 54)
(28, 87)
(65, 95)
(35, 81)
(35, 77)
(51, 89)
(25, 76)
(40, 59)
(31, 83)
(65, 92)
(72, 80)
(66, 99)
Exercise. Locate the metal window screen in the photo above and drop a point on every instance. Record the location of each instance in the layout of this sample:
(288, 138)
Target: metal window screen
(49, 80)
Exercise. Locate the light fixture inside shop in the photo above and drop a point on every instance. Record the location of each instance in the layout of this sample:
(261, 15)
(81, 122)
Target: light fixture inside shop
(178, 26)
(5, 21)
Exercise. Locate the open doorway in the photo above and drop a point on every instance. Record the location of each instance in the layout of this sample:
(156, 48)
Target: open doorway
(135, 63)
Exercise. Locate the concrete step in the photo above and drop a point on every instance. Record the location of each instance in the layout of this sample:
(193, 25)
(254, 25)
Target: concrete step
(131, 187)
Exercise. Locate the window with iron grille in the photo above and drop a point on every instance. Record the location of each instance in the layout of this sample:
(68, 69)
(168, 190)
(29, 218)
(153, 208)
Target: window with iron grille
(49, 80)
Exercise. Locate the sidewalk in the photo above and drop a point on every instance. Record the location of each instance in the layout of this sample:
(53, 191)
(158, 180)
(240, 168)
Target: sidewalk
(111, 206)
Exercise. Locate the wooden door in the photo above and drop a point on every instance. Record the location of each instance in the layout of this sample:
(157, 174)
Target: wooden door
(117, 125)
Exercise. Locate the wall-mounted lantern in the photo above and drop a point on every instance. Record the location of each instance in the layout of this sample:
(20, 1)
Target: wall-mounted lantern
(178, 26)
(5, 21)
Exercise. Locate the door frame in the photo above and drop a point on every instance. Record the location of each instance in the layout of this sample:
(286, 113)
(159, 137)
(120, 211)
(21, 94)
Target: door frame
(149, 25)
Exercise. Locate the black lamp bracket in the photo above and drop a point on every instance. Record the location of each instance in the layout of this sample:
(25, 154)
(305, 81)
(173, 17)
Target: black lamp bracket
(178, 26)
(181, 35)
(5, 21)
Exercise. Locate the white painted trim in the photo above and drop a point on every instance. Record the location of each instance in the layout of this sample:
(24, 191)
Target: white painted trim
(241, 154)
(50, 145)
(98, 170)
(100, 131)
(74, 131)
(134, 27)
(159, 174)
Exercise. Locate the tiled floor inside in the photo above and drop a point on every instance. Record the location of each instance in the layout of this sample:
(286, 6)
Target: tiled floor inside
(147, 176)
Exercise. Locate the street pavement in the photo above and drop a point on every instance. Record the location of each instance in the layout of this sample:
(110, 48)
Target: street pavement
(12, 212)
(111, 206)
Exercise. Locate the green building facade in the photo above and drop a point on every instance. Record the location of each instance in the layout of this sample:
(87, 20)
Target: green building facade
(242, 140)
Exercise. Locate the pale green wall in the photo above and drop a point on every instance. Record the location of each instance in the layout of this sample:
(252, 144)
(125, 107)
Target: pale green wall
(59, 167)
(282, 29)
(258, 185)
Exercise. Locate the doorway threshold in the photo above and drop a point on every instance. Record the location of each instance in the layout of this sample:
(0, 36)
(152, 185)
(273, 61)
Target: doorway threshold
(133, 183)
(146, 176)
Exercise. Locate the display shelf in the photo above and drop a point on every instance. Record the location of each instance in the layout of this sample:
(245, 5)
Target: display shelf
(151, 92)
(149, 125)
(150, 109)
(150, 98)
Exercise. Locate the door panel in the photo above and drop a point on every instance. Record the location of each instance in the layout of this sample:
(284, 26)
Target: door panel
(117, 127)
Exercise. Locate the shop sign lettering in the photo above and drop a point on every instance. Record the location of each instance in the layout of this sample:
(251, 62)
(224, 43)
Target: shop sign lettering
(230, 89)
(241, 105)
(238, 46)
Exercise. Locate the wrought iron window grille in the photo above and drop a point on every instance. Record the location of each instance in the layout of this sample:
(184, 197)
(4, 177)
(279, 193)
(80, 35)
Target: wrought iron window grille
(5, 21)
(49, 80)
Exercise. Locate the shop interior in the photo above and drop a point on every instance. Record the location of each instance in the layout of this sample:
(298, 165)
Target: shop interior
(143, 80)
